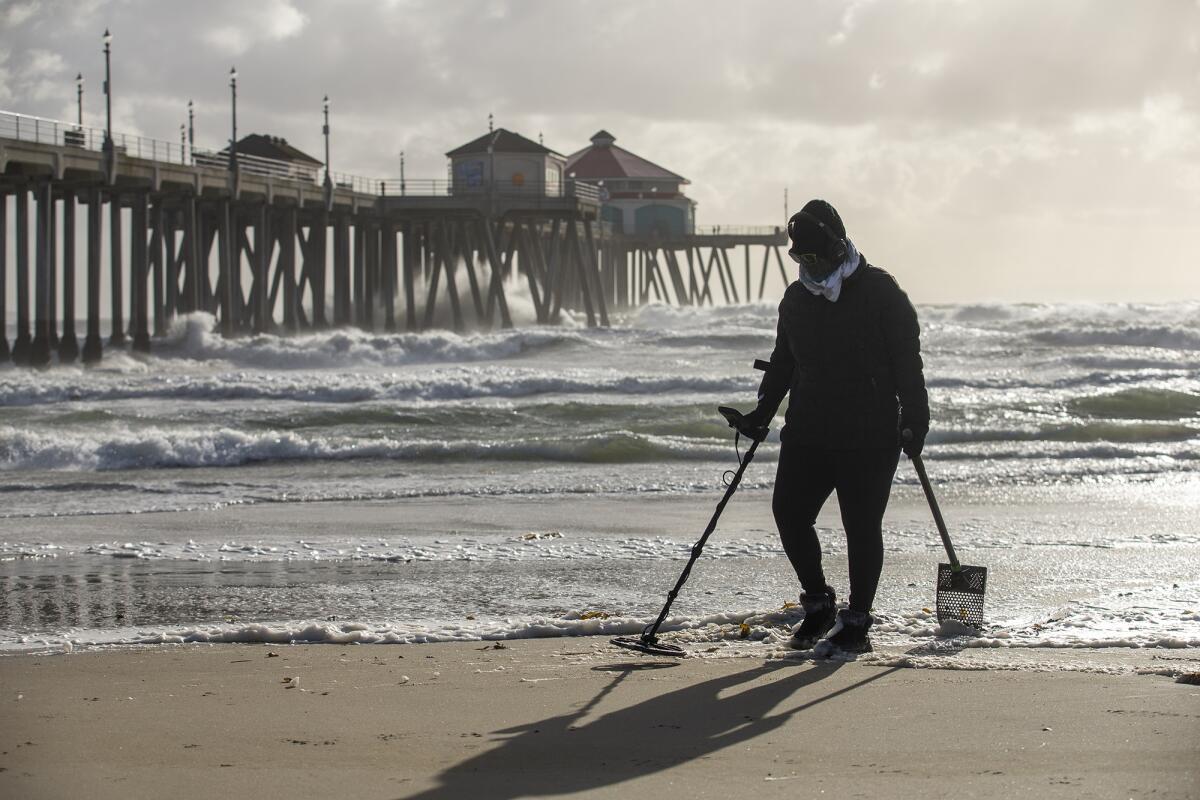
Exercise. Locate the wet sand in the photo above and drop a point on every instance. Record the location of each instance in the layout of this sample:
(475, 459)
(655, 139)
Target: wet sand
(576, 717)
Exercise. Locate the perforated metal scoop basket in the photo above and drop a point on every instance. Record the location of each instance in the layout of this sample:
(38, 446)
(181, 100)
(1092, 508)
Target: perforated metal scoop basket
(960, 588)
(960, 594)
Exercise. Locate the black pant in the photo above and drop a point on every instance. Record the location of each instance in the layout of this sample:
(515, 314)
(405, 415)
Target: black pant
(863, 480)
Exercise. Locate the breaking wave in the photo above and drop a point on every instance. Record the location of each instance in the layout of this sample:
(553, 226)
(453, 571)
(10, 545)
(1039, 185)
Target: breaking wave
(443, 384)
(226, 447)
(193, 337)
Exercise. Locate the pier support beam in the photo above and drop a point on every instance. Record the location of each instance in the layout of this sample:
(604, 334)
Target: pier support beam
(361, 309)
(374, 274)
(261, 294)
(52, 271)
(5, 354)
(68, 347)
(115, 268)
(408, 266)
(92, 347)
(592, 269)
(390, 263)
(316, 262)
(226, 248)
(192, 296)
(23, 344)
(139, 296)
(341, 271)
(39, 354)
(287, 266)
(161, 249)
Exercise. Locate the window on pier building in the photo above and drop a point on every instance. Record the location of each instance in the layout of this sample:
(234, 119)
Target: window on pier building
(553, 180)
(614, 217)
(660, 220)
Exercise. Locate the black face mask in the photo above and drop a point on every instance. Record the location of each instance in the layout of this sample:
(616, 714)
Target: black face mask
(815, 266)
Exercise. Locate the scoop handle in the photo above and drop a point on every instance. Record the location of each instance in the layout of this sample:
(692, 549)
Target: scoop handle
(919, 464)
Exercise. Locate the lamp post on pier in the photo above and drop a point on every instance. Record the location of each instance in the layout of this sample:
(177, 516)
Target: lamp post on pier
(109, 150)
(328, 177)
(191, 131)
(79, 101)
(233, 132)
(401, 172)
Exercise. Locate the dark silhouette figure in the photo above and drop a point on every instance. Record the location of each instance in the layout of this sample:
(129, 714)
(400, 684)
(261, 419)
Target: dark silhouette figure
(848, 353)
(568, 753)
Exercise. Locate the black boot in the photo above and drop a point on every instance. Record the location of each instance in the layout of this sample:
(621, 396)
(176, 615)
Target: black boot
(819, 612)
(848, 635)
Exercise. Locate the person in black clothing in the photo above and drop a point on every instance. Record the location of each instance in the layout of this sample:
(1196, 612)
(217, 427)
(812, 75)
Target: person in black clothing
(848, 350)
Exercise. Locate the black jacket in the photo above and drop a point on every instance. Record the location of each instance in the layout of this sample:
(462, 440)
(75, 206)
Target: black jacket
(853, 367)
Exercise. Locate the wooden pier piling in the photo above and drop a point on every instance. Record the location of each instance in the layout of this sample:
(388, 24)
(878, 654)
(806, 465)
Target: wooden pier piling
(116, 270)
(22, 342)
(139, 252)
(5, 353)
(93, 349)
(68, 346)
(39, 352)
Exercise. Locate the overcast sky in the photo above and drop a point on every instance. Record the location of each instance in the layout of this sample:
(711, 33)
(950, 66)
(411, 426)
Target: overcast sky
(1035, 150)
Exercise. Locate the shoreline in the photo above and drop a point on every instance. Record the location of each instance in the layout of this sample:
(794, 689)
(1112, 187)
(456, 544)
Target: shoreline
(379, 564)
(1114, 507)
(577, 717)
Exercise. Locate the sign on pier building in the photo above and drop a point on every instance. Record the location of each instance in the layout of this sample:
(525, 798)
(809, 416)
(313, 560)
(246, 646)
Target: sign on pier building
(518, 166)
(640, 197)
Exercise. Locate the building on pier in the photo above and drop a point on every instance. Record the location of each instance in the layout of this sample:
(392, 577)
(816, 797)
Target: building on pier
(640, 197)
(298, 164)
(507, 162)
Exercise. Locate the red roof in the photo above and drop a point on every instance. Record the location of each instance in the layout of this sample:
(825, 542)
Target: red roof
(604, 160)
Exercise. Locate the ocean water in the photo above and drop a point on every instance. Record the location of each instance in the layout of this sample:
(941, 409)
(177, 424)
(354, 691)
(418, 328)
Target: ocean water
(353, 486)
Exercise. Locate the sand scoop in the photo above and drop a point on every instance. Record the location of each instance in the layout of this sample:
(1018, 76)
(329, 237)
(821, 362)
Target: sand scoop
(960, 587)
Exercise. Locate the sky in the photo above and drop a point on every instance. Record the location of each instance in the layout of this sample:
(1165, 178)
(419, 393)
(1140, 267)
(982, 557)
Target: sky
(1022, 150)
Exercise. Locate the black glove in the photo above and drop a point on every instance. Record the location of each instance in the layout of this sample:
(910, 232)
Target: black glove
(752, 425)
(913, 441)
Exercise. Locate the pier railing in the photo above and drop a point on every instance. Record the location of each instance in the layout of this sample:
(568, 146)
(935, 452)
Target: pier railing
(41, 130)
(738, 230)
(505, 188)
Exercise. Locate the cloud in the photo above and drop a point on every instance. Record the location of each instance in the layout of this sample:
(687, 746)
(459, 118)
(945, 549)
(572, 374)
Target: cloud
(19, 13)
(948, 132)
(244, 25)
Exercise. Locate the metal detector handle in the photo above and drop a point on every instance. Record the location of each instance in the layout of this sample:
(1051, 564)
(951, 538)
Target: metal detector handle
(650, 631)
(937, 512)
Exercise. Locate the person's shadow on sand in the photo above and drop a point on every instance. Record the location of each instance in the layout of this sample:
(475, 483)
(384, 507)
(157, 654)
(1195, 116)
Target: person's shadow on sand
(561, 755)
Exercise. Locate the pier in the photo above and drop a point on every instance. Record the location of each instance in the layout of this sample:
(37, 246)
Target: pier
(267, 247)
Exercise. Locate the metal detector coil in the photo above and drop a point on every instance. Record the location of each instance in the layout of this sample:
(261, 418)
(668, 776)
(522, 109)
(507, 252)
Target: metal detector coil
(649, 645)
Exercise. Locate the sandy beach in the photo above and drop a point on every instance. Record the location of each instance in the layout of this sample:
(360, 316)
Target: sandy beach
(577, 717)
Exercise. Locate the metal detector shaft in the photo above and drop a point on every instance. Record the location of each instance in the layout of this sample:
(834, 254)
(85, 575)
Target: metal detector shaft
(648, 633)
(937, 512)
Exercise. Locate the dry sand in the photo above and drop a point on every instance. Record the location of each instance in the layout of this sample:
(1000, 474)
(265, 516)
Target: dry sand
(576, 717)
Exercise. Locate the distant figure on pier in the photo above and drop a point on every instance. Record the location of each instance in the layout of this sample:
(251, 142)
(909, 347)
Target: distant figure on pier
(848, 349)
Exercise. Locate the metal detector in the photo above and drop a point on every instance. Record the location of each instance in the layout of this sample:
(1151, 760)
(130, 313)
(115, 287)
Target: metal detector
(960, 587)
(648, 641)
